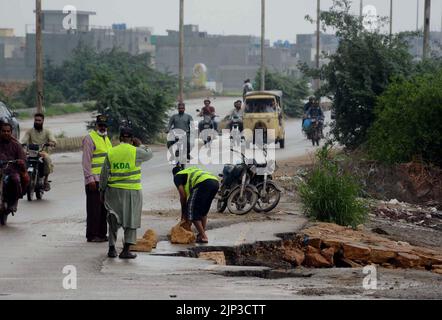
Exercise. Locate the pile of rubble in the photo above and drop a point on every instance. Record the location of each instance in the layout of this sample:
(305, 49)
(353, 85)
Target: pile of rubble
(403, 212)
(147, 243)
(327, 245)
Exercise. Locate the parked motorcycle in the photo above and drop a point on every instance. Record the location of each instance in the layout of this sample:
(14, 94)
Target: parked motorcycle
(4, 207)
(34, 164)
(236, 193)
(269, 193)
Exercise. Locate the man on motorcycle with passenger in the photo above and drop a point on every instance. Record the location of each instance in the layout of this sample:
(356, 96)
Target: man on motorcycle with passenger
(315, 112)
(40, 136)
(17, 182)
(210, 111)
(238, 113)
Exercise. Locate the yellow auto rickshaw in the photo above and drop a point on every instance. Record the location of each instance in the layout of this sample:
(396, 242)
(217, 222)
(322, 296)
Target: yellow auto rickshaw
(264, 110)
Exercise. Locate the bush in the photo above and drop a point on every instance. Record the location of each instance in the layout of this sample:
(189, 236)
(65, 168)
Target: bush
(408, 121)
(330, 195)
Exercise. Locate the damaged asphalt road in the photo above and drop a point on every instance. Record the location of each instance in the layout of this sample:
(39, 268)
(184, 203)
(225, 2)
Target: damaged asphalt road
(47, 236)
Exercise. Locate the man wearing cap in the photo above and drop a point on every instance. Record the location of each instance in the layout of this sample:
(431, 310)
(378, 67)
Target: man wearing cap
(96, 145)
(121, 189)
(197, 189)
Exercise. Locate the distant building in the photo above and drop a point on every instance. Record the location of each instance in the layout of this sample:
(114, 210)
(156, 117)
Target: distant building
(305, 47)
(12, 53)
(17, 55)
(416, 44)
(229, 59)
(59, 42)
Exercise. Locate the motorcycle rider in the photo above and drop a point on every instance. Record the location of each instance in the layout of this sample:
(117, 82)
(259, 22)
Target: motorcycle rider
(237, 112)
(39, 135)
(315, 112)
(182, 121)
(307, 106)
(18, 179)
(208, 110)
(247, 87)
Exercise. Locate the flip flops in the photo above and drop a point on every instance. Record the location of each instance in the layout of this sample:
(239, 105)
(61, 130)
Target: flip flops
(200, 240)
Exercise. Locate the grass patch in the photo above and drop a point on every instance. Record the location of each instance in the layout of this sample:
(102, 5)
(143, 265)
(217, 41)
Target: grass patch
(331, 195)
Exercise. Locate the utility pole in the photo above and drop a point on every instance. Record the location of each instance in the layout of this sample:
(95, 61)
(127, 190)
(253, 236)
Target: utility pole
(417, 28)
(391, 19)
(426, 50)
(361, 9)
(263, 29)
(417, 15)
(318, 41)
(181, 53)
(39, 58)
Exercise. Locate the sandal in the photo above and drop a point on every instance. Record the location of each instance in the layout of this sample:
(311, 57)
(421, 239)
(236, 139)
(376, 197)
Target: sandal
(200, 240)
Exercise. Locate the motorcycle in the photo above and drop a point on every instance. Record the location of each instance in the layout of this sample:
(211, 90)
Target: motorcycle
(269, 193)
(34, 164)
(4, 207)
(315, 133)
(207, 129)
(312, 127)
(235, 133)
(236, 193)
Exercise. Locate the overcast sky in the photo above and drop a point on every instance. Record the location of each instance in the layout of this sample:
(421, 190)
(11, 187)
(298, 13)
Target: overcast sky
(285, 18)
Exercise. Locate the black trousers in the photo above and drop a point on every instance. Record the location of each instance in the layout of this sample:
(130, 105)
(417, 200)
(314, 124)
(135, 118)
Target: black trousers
(96, 222)
(200, 200)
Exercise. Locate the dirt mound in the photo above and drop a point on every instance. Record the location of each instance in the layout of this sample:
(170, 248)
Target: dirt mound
(413, 182)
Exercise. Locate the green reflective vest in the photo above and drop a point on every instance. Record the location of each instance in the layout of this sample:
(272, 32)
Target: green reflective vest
(124, 173)
(102, 147)
(194, 177)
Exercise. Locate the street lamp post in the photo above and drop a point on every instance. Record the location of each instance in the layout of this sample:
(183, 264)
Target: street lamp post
(426, 49)
(181, 53)
(318, 41)
(391, 18)
(38, 58)
(263, 76)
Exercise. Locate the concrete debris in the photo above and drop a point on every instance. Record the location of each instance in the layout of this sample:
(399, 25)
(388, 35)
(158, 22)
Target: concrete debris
(217, 256)
(325, 245)
(181, 234)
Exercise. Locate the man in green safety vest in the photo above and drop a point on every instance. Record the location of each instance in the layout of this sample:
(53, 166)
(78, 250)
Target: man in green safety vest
(120, 185)
(96, 145)
(197, 189)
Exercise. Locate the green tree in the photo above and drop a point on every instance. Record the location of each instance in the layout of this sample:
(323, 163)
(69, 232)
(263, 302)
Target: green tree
(294, 90)
(408, 120)
(359, 71)
(126, 88)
